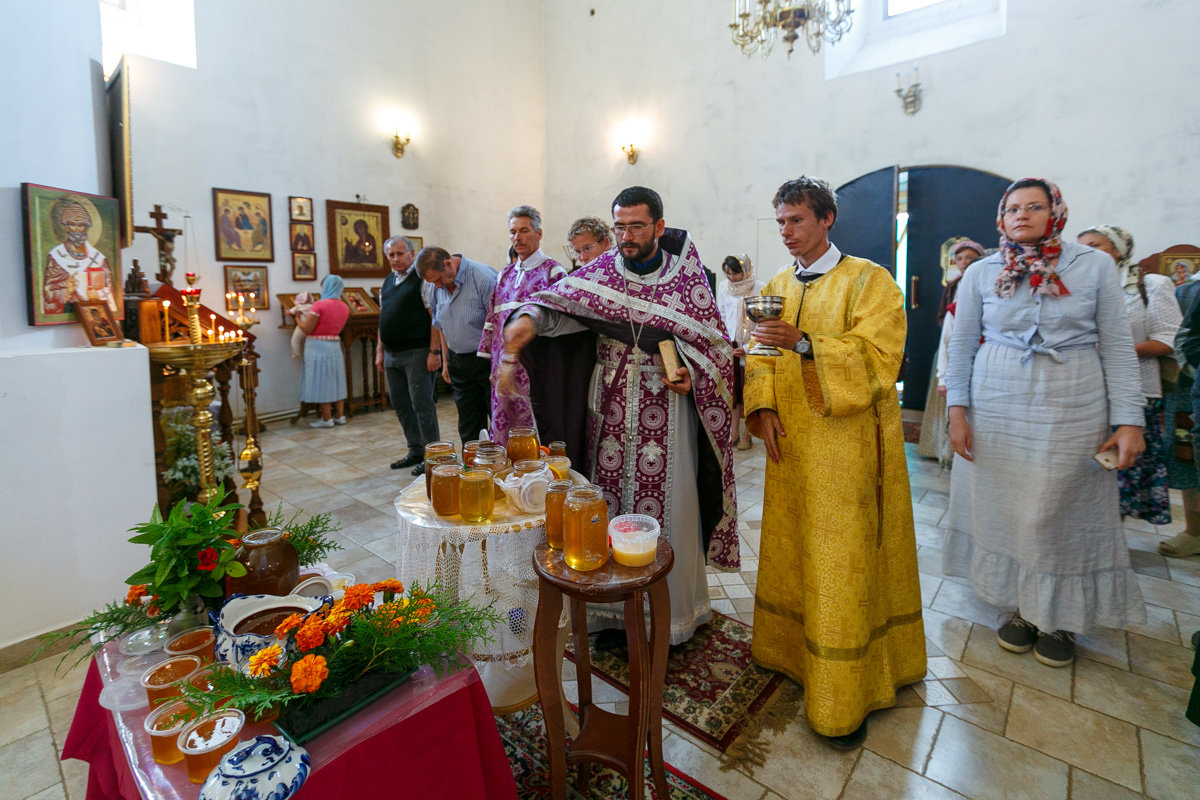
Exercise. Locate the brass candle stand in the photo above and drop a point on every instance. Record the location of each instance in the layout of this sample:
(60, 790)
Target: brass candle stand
(251, 455)
(197, 357)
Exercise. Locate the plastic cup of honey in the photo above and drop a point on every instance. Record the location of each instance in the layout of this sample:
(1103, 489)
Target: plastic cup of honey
(634, 539)
(163, 680)
(163, 726)
(206, 741)
(200, 641)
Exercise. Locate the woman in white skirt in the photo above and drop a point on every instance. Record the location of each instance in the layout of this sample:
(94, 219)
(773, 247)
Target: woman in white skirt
(1034, 520)
(323, 376)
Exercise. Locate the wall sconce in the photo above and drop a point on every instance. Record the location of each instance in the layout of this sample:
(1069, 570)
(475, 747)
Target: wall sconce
(399, 144)
(630, 152)
(910, 98)
(631, 136)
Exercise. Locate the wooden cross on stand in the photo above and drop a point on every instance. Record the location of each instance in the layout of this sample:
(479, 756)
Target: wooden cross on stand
(166, 244)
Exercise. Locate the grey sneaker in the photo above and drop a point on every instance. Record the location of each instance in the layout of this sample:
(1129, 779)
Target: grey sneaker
(1016, 634)
(1055, 649)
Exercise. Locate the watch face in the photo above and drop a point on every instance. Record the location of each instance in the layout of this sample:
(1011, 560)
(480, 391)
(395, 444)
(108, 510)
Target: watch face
(802, 346)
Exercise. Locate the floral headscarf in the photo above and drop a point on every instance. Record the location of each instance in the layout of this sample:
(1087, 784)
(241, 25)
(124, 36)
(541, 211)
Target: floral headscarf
(1033, 259)
(1122, 242)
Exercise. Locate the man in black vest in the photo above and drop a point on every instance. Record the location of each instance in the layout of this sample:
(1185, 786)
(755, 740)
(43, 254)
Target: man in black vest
(404, 353)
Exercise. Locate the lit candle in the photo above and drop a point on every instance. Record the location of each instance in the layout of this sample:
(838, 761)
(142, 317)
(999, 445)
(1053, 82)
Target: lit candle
(166, 320)
(212, 325)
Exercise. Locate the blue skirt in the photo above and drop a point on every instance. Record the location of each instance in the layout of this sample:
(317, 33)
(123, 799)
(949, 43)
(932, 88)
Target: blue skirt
(323, 376)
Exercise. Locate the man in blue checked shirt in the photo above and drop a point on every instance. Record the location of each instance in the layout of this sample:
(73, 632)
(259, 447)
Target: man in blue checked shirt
(462, 297)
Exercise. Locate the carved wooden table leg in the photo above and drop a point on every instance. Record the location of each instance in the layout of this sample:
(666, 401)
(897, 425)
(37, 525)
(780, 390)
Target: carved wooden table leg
(545, 634)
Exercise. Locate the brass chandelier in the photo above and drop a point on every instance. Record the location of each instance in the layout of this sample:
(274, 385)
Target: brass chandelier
(755, 23)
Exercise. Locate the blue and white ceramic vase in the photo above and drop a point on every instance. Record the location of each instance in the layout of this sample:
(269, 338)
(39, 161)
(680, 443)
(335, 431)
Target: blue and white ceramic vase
(268, 768)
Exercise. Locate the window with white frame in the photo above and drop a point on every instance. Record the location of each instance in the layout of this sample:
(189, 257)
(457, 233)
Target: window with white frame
(889, 32)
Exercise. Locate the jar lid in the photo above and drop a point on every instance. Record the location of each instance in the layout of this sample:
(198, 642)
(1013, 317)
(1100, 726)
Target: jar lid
(263, 536)
(124, 694)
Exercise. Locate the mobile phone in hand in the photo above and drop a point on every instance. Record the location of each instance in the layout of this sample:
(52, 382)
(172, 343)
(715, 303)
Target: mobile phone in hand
(1107, 458)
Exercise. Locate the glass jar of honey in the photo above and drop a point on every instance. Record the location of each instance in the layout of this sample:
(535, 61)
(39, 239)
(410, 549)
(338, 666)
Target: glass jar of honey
(476, 500)
(585, 528)
(557, 448)
(468, 452)
(556, 493)
(433, 460)
(444, 489)
(523, 445)
(494, 459)
(272, 564)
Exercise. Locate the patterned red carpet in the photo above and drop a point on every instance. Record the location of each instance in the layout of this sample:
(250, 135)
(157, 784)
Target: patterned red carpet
(524, 737)
(712, 688)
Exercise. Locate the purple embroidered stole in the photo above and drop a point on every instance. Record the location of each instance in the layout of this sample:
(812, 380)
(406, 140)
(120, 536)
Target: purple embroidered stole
(629, 439)
(513, 289)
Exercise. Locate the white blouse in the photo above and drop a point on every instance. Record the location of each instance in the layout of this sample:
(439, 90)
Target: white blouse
(1158, 318)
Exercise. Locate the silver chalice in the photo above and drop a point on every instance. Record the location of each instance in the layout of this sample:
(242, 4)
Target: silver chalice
(759, 309)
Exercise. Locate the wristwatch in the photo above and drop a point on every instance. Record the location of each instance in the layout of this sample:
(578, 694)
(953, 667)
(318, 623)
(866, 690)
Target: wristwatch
(803, 347)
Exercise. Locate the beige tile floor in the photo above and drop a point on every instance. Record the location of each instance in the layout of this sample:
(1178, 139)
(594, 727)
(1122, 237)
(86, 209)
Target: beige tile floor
(984, 723)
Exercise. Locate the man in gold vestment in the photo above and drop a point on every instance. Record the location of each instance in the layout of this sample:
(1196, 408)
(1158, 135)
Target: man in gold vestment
(838, 604)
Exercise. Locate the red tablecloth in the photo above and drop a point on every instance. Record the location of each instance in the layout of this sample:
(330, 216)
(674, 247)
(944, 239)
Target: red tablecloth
(429, 738)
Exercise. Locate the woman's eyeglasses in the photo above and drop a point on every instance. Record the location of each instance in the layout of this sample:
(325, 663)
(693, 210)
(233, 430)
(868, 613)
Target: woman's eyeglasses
(1029, 208)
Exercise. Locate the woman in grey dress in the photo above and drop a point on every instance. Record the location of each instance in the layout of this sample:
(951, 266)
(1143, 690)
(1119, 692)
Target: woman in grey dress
(1034, 520)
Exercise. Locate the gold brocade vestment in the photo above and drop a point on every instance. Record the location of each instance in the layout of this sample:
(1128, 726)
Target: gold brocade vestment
(838, 603)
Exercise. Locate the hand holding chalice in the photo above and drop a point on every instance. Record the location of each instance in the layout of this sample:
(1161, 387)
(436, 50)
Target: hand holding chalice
(761, 309)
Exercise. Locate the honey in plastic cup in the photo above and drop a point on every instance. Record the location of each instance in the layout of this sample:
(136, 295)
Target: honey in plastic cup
(206, 741)
(634, 539)
(200, 641)
(163, 725)
(162, 681)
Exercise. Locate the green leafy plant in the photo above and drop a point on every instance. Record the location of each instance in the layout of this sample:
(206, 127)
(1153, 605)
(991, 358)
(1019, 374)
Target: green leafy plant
(191, 552)
(313, 538)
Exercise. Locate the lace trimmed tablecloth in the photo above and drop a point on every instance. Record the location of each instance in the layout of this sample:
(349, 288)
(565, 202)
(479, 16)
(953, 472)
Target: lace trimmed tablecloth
(490, 561)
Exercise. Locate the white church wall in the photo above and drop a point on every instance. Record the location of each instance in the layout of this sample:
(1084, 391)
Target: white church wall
(285, 100)
(1097, 96)
(78, 456)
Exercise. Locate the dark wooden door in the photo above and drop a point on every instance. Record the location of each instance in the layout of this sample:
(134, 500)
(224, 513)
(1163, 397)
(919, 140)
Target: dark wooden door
(943, 202)
(866, 220)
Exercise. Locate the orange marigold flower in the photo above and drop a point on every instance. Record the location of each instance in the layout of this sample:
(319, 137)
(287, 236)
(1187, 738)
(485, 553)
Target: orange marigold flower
(310, 635)
(288, 625)
(135, 594)
(336, 622)
(262, 662)
(358, 596)
(389, 585)
(153, 610)
(308, 674)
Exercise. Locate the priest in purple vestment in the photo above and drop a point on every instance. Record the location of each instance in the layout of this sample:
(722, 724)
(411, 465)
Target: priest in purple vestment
(531, 272)
(655, 447)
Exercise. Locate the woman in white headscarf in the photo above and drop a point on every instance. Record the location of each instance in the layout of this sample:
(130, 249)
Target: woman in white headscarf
(732, 292)
(935, 428)
(1154, 318)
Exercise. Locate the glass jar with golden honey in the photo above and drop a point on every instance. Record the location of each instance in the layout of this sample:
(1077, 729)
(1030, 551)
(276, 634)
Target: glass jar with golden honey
(523, 445)
(468, 452)
(585, 528)
(557, 448)
(556, 493)
(444, 489)
(476, 500)
(435, 459)
(493, 458)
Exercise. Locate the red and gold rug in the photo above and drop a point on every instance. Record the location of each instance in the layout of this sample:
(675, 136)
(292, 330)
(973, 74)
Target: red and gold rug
(524, 738)
(713, 691)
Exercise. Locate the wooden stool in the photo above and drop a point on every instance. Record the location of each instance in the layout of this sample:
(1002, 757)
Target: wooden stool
(614, 740)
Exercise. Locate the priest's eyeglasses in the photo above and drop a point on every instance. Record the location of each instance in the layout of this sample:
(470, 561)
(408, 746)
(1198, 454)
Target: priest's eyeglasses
(1028, 208)
(635, 228)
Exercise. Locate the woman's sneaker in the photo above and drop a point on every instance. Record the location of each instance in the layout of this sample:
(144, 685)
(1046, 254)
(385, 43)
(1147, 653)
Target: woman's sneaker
(1016, 634)
(1055, 649)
